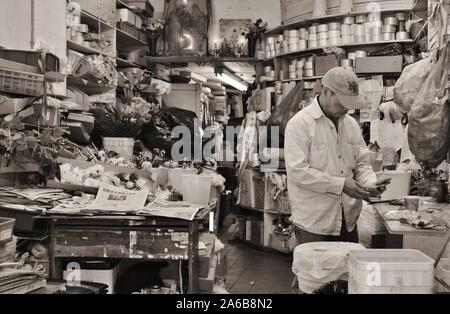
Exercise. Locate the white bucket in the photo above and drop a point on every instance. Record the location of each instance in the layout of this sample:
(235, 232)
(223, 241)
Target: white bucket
(399, 187)
(174, 177)
(196, 189)
(121, 145)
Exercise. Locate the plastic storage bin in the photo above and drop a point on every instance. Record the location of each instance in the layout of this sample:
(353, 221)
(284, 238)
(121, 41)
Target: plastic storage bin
(6, 229)
(390, 271)
(23, 83)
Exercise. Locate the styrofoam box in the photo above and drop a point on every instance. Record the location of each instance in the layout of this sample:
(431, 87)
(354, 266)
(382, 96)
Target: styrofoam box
(397, 268)
(354, 288)
(107, 277)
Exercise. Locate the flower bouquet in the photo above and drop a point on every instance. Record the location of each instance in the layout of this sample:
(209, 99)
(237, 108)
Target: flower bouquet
(154, 30)
(253, 32)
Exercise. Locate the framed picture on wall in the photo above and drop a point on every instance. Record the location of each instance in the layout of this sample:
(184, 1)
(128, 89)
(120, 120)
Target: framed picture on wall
(187, 27)
(231, 38)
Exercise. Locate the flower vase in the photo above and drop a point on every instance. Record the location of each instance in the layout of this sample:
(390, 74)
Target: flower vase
(252, 46)
(152, 43)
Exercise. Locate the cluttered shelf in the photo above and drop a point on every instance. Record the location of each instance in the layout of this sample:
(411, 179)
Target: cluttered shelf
(84, 49)
(309, 21)
(352, 45)
(94, 21)
(125, 39)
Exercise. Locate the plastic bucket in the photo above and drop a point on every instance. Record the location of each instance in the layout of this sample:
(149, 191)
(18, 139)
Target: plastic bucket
(399, 187)
(174, 177)
(196, 189)
(124, 146)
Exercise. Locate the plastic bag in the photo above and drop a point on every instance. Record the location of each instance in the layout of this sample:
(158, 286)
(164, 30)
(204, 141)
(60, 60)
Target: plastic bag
(409, 83)
(158, 133)
(429, 121)
(285, 111)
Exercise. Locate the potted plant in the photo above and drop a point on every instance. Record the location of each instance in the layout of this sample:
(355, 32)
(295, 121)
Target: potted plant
(253, 32)
(120, 125)
(154, 30)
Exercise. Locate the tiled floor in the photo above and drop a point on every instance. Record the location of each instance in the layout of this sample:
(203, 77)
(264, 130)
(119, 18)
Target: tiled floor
(251, 271)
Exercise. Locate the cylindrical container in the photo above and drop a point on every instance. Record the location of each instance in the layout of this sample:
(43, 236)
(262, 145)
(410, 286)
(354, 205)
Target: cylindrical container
(377, 38)
(293, 62)
(302, 33)
(293, 47)
(347, 39)
(292, 75)
(313, 44)
(354, 29)
(302, 44)
(352, 56)
(368, 37)
(323, 43)
(312, 29)
(346, 63)
(287, 49)
(360, 54)
(359, 30)
(313, 37)
(334, 34)
(308, 72)
(277, 46)
(284, 43)
(292, 68)
(309, 59)
(293, 33)
(361, 19)
(389, 29)
(377, 30)
(346, 29)
(300, 64)
(334, 26)
(402, 26)
(268, 55)
(272, 73)
(391, 20)
(280, 38)
(270, 40)
(293, 41)
(322, 28)
(401, 16)
(402, 36)
(309, 65)
(323, 36)
(360, 39)
(348, 20)
(388, 36)
(350, 69)
(412, 203)
(334, 41)
(299, 74)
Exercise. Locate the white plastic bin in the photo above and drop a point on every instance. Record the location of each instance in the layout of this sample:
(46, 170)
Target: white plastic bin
(390, 271)
(399, 187)
(196, 189)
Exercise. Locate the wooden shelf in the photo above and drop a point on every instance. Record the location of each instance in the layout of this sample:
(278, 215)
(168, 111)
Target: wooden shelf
(125, 40)
(85, 50)
(122, 63)
(308, 22)
(194, 59)
(353, 45)
(312, 78)
(87, 86)
(95, 22)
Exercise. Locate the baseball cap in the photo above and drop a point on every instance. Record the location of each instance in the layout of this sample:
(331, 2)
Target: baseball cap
(344, 83)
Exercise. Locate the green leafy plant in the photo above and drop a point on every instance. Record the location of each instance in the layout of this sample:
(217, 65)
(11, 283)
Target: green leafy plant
(113, 121)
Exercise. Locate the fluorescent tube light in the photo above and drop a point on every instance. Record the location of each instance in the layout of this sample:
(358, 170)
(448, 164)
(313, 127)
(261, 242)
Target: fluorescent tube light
(231, 81)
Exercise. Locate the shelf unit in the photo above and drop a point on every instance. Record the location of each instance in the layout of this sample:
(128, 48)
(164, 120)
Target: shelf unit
(125, 40)
(353, 45)
(328, 18)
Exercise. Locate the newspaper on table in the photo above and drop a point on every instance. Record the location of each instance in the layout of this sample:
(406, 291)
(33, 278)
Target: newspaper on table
(163, 208)
(113, 199)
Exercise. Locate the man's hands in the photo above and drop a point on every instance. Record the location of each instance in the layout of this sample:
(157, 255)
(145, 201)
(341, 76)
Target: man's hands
(352, 189)
(360, 192)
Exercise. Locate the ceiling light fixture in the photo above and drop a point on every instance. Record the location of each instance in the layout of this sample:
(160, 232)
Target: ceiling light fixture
(231, 81)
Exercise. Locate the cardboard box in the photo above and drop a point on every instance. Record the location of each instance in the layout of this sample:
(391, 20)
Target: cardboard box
(126, 16)
(79, 97)
(369, 65)
(325, 63)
